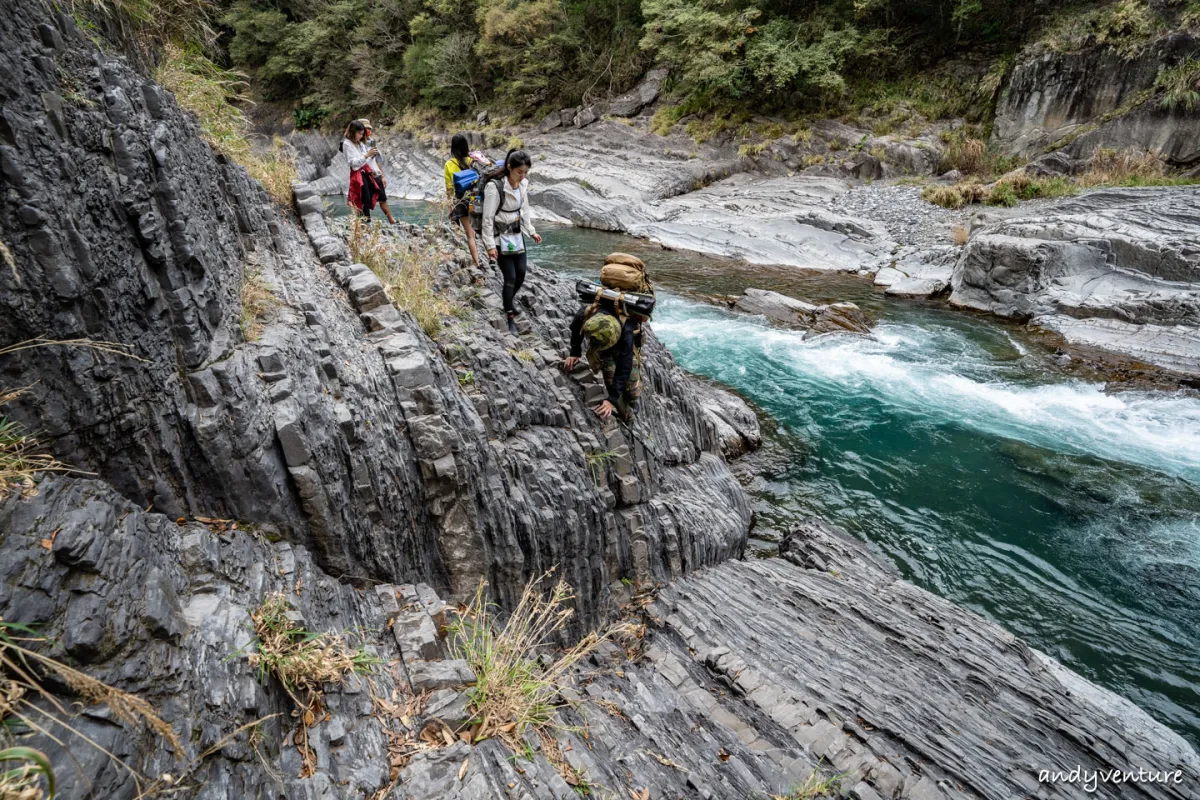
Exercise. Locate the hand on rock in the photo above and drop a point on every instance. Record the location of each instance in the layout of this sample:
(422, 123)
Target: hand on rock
(605, 410)
(571, 363)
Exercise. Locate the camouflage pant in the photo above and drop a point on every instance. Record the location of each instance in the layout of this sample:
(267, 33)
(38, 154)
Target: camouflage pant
(633, 387)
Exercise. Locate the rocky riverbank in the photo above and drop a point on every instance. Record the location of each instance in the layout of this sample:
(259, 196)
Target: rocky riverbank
(337, 453)
(1123, 255)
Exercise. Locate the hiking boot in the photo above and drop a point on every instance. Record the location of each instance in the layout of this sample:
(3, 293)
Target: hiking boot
(512, 324)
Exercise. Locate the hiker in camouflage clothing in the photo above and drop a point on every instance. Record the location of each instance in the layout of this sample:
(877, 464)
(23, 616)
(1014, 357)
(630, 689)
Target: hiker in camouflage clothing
(612, 351)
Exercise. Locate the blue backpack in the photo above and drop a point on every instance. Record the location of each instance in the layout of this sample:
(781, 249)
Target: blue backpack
(464, 180)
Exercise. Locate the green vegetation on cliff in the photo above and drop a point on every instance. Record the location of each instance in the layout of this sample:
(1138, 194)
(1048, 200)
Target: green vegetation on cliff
(889, 59)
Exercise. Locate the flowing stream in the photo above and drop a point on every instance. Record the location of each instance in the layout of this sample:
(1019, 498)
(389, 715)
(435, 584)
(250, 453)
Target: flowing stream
(1068, 515)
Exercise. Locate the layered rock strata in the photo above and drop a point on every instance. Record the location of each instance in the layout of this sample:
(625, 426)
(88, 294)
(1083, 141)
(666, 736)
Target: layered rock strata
(1117, 269)
(344, 427)
(750, 677)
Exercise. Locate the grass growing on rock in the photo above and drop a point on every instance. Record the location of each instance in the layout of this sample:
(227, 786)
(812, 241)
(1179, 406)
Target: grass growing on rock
(1180, 86)
(816, 786)
(20, 460)
(516, 690)
(257, 303)
(406, 268)
(26, 705)
(213, 95)
(304, 663)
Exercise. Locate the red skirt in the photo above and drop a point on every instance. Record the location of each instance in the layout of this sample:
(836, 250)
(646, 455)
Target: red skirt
(363, 190)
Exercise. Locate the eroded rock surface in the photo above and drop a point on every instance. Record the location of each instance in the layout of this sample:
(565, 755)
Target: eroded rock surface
(1129, 256)
(813, 319)
(614, 177)
(1097, 97)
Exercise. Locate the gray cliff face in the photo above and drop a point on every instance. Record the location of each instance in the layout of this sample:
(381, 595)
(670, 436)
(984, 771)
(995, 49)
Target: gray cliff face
(371, 480)
(162, 610)
(344, 428)
(1126, 261)
(1056, 95)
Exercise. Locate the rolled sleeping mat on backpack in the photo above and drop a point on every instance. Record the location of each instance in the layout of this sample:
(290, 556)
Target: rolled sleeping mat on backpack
(464, 180)
(624, 302)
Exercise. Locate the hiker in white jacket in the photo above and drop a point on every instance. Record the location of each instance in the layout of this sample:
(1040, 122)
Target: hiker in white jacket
(506, 222)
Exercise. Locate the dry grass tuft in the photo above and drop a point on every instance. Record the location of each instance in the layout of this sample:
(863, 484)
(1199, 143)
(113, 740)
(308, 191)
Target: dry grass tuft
(968, 156)
(961, 235)
(406, 268)
(25, 781)
(22, 672)
(1116, 167)
(304, 663)
(957, 196)
(19, 460)
(213, 94)
(257, 302)
(513, 691)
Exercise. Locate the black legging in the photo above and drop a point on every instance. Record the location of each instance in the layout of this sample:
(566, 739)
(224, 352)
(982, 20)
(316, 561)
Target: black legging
(512, 267)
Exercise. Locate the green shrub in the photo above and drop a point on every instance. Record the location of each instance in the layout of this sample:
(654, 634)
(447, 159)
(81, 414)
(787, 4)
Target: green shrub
(308, 118)
(1002, 194)
(1180, 86)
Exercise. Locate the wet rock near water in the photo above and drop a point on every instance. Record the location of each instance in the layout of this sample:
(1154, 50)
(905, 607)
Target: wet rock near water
(1123, 263)
(919, 272)
(1127, 351)
(814, 320)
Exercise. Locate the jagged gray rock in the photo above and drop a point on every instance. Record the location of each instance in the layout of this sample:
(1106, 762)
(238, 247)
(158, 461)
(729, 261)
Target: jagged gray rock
(750, 676)
(344, 428)
(1097, 97)
(355, 439)
(166, 614)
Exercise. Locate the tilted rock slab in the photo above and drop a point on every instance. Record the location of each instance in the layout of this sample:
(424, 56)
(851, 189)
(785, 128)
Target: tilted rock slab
(903, 690)
(1127, 255)
(344, 428)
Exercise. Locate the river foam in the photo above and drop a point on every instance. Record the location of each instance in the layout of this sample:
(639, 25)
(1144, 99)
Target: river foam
(942, 376)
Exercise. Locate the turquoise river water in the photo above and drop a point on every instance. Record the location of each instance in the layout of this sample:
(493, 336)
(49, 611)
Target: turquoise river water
(1069, 515)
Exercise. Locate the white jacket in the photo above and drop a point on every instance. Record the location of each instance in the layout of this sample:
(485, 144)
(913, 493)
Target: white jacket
(356, 155)
(516, 201)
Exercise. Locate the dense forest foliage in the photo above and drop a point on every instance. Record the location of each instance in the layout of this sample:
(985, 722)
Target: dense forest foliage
(522, 57)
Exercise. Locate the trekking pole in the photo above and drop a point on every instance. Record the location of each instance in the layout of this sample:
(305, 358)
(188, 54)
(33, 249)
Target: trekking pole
(641, 441)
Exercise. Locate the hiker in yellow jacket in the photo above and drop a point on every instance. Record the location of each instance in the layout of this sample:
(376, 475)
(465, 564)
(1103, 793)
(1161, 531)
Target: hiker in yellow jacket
(460, 212)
